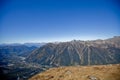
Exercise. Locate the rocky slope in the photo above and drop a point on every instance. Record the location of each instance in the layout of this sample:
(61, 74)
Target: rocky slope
(103, 72)
(78, 52)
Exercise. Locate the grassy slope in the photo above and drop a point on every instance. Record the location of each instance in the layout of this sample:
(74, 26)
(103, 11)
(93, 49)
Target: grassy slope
(101, 72)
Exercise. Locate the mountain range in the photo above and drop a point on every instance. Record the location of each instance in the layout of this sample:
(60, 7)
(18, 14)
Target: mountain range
(25, 44)
(78, 52)
(25, 60)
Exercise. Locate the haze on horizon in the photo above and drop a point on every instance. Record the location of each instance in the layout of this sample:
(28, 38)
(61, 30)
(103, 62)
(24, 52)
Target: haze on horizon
(24, 21)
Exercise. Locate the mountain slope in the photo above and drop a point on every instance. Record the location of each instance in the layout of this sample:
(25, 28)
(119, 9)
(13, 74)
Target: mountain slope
(101, 72)
(15, 50)
(78, 53)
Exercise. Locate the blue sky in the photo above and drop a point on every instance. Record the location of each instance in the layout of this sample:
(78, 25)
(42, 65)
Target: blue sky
(58, 20)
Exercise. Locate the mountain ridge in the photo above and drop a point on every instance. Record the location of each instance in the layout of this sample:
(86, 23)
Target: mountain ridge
(78, 52)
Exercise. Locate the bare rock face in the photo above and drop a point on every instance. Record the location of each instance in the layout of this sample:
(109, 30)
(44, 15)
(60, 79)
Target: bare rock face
(78, 53)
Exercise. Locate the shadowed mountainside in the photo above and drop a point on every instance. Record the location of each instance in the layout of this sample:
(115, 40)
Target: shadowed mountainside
(15, 50)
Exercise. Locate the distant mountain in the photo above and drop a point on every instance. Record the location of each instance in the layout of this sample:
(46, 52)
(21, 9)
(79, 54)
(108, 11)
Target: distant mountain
(12, 44)
(25, 44)
(78, 52)
(34, 44)
(15, 50)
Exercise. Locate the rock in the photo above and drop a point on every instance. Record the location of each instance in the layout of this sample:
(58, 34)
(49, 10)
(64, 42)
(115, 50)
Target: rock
(68, 72)
(93, 78)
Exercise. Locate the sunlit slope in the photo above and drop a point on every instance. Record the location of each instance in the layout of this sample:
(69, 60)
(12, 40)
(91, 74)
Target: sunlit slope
(97, 72)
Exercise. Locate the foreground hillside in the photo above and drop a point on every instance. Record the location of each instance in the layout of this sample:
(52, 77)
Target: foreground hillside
(102, 72)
